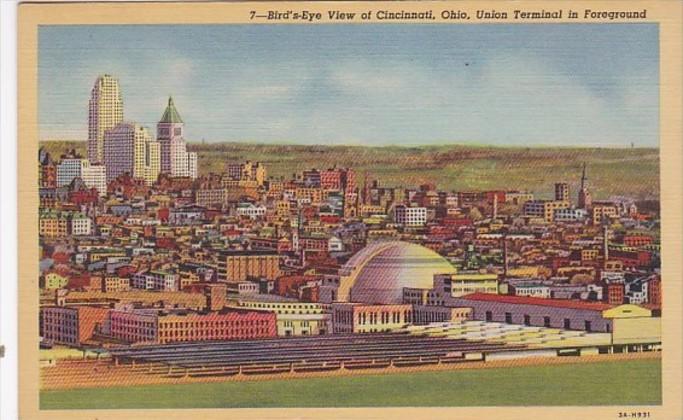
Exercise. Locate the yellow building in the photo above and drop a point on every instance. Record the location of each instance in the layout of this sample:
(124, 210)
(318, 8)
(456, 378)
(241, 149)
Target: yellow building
(152, 162)
(360, 318)
(104, 253)
(52, 224)
(589, 254)
(55, 281)
(369, 210)
(105, 112)
(282, 208)
(368, 318)
(115, 284)
(600, 212)
(544, 208)
(525, 271)
(633, 324)
(238, 266)
(312, 194)
(294, 318)
(129, 148)
(460, 284)
(187, 278)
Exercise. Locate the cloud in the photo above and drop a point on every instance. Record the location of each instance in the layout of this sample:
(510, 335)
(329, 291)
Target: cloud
(402, 91)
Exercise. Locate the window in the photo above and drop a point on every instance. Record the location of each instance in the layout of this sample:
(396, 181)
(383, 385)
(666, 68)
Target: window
(489, 316)
(508, 317)
(546, 321)
(608, 328)
(567, 324)
(527, 320)
(588, 326)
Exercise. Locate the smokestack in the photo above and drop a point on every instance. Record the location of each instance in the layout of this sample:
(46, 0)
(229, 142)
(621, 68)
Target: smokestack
(495, 206)
(505, 256)
(605, 247)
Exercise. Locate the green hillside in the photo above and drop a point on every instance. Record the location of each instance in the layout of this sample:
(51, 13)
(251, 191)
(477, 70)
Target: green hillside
(631, 172)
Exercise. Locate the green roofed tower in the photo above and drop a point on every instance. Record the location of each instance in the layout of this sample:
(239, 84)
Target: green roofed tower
(171, 114)
(175, 159)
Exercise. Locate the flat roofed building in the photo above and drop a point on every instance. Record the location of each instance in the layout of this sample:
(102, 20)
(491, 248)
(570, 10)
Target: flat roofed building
(238, 266)
(70, 168)
(601, 212)
(159, 326)
(115, 284)
(71, 326)
(534, 290)
(410, 216)
(544, 208)
(633, 324)
(129, 148)
(362, 318)
(105, 111)
(156, 280)
(426, 314)
(302, 324)
(464, 283)
(550, 313)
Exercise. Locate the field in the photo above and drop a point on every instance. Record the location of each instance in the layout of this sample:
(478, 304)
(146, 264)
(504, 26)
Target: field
(605, 383)
(631, 172)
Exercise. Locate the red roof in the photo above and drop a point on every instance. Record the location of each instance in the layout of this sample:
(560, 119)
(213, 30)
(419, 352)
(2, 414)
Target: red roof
(525, 300)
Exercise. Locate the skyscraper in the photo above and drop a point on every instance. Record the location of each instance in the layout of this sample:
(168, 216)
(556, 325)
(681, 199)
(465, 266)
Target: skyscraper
(129, 148)
(105, 112)
(175, 160)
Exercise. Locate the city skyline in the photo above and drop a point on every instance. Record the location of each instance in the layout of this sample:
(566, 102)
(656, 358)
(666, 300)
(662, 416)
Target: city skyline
(602, 91)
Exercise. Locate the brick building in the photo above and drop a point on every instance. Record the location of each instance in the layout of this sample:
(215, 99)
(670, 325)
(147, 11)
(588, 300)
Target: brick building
(71, 325)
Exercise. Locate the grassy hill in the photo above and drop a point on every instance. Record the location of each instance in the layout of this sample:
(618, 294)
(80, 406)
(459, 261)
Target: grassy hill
(631, 172)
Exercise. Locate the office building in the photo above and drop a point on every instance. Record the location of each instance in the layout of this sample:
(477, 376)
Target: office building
(561, 191)
(410, 216)
(71, 325)
(105, 111)
(239, 266)
(130, 149)
(175, 160)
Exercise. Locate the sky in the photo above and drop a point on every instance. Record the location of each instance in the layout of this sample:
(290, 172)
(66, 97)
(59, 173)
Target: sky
(402, 84)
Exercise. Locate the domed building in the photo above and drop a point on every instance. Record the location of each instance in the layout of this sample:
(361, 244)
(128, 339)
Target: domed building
(379, 272)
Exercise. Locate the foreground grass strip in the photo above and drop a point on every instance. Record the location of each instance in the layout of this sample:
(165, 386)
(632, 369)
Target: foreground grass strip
(609, 383)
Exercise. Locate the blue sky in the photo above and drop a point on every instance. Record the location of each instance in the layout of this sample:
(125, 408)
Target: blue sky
(541, 84)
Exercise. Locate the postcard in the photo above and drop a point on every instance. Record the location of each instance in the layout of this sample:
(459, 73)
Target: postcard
(350, 210)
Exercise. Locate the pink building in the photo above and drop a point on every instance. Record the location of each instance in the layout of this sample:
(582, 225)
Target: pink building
(162, 326)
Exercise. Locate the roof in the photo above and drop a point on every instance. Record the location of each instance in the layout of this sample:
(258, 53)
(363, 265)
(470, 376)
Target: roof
(171, 114)
(525, 300)
(379, 272)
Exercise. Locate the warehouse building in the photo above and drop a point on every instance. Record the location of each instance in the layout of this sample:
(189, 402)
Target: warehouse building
(628, 324)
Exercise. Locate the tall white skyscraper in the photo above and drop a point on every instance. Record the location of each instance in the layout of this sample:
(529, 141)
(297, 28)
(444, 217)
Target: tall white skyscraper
(175, 160)
(105, 112)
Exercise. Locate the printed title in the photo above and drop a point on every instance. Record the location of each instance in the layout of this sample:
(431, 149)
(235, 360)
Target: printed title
(445, 15)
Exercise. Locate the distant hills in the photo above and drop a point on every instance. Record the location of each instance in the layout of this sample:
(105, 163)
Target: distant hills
(611, 171)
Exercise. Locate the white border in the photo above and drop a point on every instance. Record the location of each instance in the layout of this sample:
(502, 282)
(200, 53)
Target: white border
(8, 208)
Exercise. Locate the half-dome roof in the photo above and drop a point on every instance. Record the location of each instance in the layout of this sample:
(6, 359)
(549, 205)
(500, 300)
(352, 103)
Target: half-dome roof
(380, 271)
